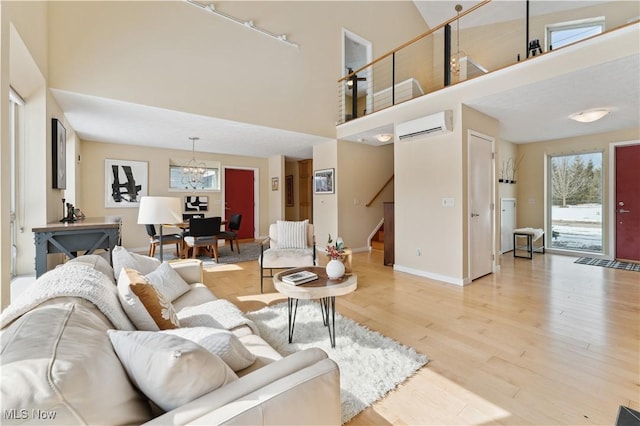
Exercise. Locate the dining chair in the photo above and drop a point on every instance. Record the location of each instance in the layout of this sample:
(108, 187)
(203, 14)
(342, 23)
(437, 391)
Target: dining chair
(231, 232)
(203, 232)
(155, 240)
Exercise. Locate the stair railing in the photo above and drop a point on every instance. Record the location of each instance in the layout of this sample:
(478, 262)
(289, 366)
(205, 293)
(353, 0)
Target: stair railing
(379, 192)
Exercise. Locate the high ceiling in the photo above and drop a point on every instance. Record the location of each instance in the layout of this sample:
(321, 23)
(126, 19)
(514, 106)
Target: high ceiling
(520, 111)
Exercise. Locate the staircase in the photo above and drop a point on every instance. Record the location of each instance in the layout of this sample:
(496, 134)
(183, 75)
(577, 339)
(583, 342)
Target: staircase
(377, 242)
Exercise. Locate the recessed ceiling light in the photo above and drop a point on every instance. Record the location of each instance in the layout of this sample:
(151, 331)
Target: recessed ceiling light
(384, 137)
(589, 116)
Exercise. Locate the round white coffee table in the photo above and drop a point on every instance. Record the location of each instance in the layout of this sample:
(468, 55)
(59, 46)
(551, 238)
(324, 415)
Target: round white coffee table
(323, 288)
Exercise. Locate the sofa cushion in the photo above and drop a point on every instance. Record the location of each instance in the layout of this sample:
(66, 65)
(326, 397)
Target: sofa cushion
(223, 343)
(264, 353)
(122, 258)
(170, 370)
(198, 295)
(168, 282)
(292, 235)
(287, 258)
(57, 359)
(146, 307)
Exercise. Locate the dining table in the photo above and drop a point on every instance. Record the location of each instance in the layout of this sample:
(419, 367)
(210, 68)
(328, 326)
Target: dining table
(184, 226)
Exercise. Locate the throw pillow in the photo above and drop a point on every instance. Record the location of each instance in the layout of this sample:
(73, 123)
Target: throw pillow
(168, 282)
(169, 370)
(122, 258)
(147, 308)
(292, 235)
(223, 343)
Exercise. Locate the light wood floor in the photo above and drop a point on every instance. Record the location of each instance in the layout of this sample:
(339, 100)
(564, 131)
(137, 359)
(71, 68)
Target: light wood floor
(542, 342)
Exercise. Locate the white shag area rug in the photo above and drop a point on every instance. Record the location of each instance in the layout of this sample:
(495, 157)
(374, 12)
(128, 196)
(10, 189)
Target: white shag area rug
(370, 364)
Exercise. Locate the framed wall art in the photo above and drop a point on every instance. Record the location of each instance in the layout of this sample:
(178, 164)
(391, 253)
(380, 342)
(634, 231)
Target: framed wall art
(196, 203)
(125, 183)
(59, 154)
(323, 181)
(274, 183)
(289, 190)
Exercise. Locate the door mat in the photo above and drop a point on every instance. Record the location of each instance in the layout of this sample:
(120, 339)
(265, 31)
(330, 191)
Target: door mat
(629, 266)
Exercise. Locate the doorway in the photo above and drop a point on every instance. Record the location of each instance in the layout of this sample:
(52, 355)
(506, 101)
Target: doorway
(239, 197)
(356, 53)
(481, 221)
(305, 176)
(627, 202)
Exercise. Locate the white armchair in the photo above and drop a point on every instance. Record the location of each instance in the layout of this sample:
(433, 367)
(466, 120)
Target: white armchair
(289, 245)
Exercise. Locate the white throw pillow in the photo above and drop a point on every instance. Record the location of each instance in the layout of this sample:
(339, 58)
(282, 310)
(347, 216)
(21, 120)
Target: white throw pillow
(223, 343)
(151, 312)
(169, 370)
(292, 235)
(168, 282)
(122, 258)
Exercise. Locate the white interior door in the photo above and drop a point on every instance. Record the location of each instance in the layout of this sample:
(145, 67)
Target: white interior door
(481, 220)
(507, 223)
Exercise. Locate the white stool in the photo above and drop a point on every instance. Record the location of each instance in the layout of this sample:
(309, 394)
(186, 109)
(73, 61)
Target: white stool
(531, 234)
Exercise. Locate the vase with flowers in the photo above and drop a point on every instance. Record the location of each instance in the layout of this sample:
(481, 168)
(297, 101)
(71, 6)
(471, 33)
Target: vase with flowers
(335, 267)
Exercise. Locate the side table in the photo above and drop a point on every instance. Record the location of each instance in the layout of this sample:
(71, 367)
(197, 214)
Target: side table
(323, 288)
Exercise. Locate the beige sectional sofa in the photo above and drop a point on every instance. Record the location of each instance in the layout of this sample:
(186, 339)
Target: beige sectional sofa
(71, 354)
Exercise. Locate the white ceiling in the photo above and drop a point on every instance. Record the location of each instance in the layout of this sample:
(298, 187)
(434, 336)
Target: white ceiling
(540, 111)
(520, 111)
(106, 120)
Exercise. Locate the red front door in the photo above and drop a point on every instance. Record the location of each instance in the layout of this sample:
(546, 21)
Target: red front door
(238, 196)
(628, 202)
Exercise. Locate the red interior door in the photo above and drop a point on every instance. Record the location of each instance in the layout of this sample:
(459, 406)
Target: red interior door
(628, 202)
(238, 195)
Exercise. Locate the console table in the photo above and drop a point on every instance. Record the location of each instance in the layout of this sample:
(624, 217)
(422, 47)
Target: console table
(85, 235)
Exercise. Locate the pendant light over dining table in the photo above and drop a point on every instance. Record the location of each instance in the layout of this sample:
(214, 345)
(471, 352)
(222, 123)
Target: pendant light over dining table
(193, 172)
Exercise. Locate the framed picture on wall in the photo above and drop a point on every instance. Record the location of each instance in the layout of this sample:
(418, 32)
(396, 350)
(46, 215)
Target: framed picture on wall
(125, 183)
(289, 190)
(323, 181)
(274, 183)
(196, 203)
(59, 154)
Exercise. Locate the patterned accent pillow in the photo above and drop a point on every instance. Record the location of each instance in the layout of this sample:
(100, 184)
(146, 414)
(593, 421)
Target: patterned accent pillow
(292, 235)
(160, 309)
(146, 307)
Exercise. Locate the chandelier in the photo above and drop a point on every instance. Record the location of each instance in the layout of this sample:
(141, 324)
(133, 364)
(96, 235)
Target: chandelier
(193, 171)
(454, 63)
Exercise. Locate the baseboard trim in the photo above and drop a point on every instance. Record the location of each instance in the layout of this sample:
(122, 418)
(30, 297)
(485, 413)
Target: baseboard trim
(449, 280)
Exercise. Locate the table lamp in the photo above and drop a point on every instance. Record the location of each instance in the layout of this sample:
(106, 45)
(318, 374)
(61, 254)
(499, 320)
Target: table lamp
(159, 211)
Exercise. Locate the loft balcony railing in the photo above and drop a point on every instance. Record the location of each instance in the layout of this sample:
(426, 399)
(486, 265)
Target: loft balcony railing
(484, 38)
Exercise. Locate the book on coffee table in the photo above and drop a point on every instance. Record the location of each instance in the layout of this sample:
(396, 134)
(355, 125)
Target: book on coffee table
(300, 277)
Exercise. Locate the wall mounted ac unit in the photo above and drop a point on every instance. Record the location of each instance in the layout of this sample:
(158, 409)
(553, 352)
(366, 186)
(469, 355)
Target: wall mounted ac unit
(431, 125)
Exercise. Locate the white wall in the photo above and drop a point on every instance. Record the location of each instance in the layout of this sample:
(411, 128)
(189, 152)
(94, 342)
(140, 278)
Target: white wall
(431, 168)
(133, 235)
(362, 172)
(325, 206)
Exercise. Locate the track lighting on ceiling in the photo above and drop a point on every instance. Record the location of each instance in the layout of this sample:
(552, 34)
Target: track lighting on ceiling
(245, 23)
